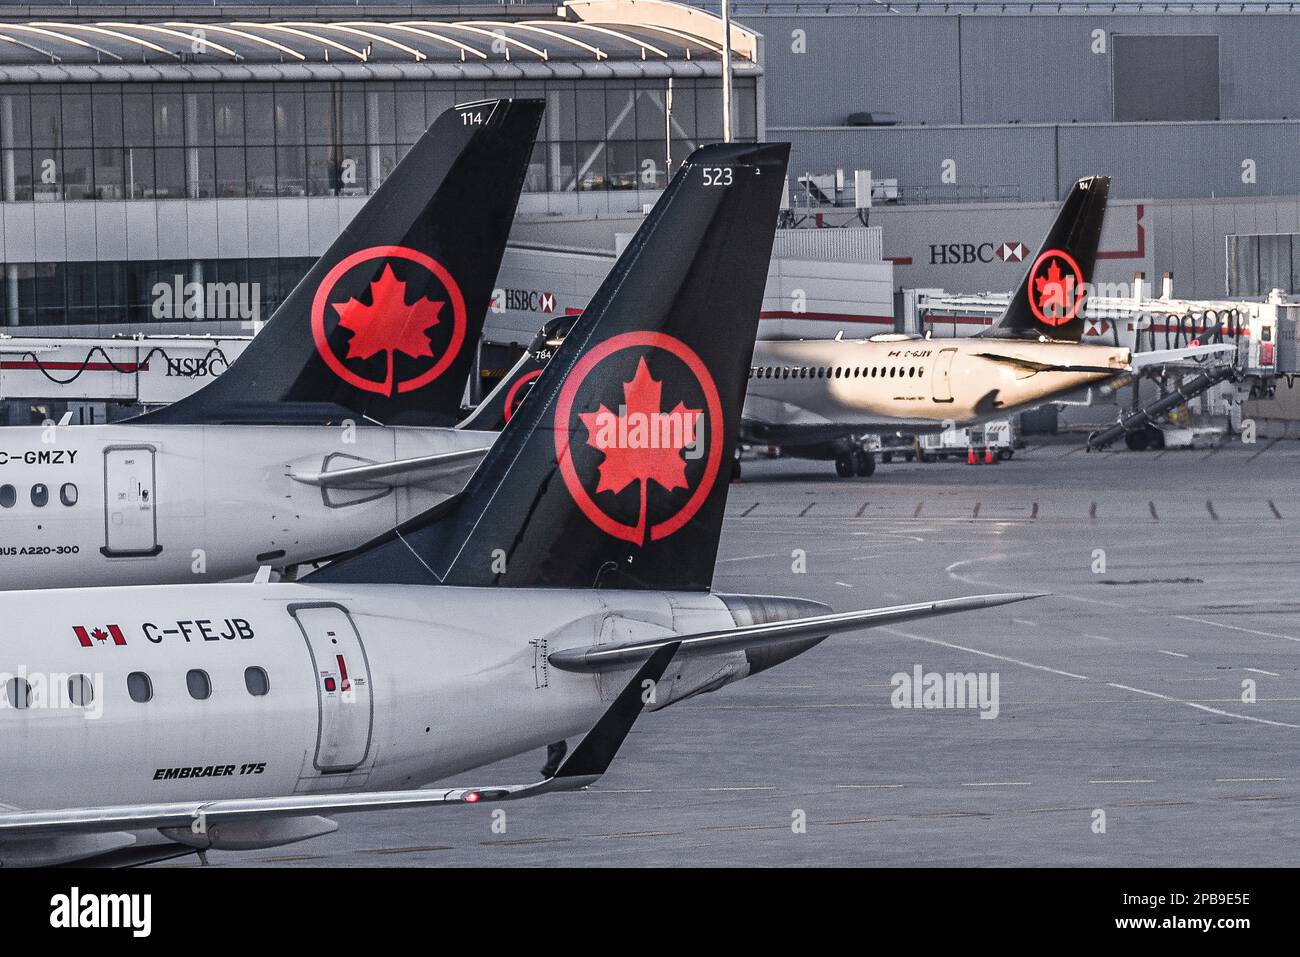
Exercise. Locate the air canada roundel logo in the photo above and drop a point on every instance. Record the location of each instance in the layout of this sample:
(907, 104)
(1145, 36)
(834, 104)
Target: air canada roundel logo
(388, 319)
(1056, 288)
(639, 435)
(519, 391)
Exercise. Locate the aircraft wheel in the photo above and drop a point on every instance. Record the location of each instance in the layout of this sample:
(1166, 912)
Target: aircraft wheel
(844, 465)
(1138, 441)
(864, 463)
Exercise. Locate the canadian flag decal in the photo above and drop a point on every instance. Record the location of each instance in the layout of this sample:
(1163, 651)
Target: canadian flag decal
(99, 635)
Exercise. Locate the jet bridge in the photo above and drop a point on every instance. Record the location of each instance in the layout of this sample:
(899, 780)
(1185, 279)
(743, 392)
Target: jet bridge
(1265, 334)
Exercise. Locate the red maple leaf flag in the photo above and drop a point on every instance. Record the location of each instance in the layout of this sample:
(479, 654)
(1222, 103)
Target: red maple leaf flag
(644, 443)
(88, 638)
(389, 324)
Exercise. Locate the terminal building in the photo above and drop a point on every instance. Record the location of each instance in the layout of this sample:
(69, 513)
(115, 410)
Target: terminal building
(143, 147)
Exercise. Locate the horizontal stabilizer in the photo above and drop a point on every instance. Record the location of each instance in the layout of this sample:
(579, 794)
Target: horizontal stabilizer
(1188, 355)
(1032, 366)
(618, 655)
(412, 471)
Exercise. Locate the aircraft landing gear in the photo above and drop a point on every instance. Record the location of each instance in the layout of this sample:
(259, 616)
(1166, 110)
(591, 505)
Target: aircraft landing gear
(858, 462)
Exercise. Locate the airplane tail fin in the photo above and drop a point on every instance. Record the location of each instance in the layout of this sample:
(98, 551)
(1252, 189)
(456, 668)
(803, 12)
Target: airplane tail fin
(385, 325)
(500, 405)
(614, 473)
(1050, 299)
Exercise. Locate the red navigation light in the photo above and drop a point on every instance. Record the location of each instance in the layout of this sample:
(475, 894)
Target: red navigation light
(472, 797)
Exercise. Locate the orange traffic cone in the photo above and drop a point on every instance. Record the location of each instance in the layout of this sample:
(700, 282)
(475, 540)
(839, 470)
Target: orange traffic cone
(970, 457)
(988, 457)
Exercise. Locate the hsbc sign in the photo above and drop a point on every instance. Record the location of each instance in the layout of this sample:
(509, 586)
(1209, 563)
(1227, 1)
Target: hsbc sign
(963, 254)
(525, 300)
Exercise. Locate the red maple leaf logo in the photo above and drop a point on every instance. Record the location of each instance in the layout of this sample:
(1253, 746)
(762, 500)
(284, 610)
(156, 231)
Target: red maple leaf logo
(389, 324)
(1055, 291)
(99, 634)
(644, 443)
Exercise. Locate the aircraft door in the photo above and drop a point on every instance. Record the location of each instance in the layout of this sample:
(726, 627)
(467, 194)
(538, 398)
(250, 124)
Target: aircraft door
(942, 377)
(342, 677)
(130, 512)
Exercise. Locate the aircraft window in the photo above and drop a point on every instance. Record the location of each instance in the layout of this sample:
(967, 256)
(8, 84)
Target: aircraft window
(199, 684)
(911, 372)
(68, 494)
(256, 681)
(892, 370)
(19, 692)
(920, 372)
(40, 495)
(8, 496)
(81, 690)
(873, 372)
(139, 687)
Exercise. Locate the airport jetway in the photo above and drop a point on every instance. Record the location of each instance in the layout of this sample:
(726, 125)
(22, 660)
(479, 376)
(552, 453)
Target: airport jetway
(1263, 332)
(134, 370)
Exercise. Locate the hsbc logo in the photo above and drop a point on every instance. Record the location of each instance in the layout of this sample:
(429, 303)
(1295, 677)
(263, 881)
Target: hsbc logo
(964, 254)
(523, 300)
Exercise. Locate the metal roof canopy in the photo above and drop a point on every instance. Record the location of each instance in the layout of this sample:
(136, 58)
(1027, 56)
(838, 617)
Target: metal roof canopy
(581, 34)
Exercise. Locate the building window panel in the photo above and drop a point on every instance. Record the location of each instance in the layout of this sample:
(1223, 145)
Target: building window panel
(168, 120)
(352, 114)
(620, 113)
(232, 178)
(290, 121)
(228, 117)
(16, 119)
(137, 119)
(410, 115)
(291, 171)
(319, 122)
(139, 172)
(261, 170)
(591, 166)
(46, 118)
(259, 119)
(76, 119)
(199, 125)
(169, 173)
(589, 106)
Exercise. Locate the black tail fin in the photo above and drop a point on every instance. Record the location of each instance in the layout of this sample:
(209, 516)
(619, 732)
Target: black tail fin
(1050, 299)
(385, 325)
(614, 473)
(500, 405)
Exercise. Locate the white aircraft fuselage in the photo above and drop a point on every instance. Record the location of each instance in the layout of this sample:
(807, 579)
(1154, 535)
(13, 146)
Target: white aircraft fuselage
(124, 504)
(373, 688)
(817, 391)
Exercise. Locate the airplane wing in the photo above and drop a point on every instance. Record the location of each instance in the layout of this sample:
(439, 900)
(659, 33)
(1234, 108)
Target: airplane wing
(387, 475)
(587, 762)
(622, 654)
(1142, 360)
(1032, 366)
